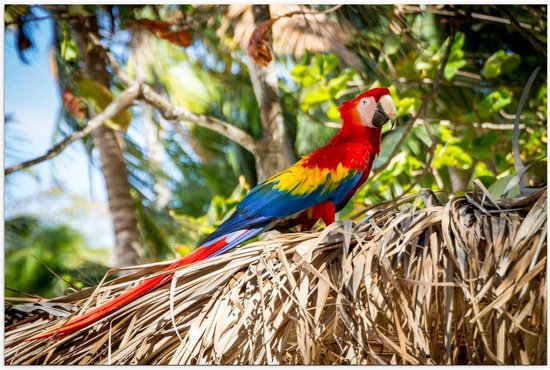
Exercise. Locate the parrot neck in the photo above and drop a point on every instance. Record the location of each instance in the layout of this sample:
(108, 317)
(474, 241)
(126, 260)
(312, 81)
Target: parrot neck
(356, 133)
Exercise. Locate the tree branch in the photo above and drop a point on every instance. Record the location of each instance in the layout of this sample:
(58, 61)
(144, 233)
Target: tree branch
(310, 12)
(452, 36)
(122, 102)
(424, 81)
(541, 47)
(177, 113)
(485, 125)
(404, 9)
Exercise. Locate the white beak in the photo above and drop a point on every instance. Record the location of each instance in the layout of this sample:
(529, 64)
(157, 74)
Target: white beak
(387, 104)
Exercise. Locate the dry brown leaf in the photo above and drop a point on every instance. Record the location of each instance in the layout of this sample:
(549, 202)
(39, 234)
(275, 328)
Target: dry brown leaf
(171, 32)
(73, 104)
(258, 47)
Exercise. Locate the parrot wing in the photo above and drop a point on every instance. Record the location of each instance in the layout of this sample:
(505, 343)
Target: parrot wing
(299, 188)
(288, 193)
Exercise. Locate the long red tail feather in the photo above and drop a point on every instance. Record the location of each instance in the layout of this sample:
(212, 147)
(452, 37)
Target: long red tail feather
(96, 314)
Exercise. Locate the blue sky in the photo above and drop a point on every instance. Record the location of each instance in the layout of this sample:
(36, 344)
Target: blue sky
(56, 189)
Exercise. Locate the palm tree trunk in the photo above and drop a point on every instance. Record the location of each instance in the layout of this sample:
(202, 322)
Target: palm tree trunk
(128, 250)
(274, 152)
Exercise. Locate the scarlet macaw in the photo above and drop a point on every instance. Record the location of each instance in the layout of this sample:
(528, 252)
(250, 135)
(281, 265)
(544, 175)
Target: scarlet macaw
(316, 187)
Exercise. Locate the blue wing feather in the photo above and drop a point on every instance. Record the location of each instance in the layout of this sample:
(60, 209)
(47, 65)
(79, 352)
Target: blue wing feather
(266, 203)
(238, 221)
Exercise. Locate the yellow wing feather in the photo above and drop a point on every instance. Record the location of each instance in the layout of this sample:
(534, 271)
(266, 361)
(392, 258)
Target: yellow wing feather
(299, 180)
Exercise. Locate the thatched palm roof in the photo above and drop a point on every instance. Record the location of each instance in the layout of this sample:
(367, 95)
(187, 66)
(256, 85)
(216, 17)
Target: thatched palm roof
(413, 282)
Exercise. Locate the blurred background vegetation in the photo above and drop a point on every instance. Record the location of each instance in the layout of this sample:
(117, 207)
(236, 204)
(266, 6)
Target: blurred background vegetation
(455, 72)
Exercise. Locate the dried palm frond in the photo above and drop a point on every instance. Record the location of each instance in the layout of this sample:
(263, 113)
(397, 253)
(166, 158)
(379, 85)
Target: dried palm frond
(458, 283)
(294, 35)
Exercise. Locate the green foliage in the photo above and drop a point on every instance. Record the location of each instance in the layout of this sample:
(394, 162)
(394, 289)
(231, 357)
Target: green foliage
(68, 48)
(500, 63)
(321, 82)
(81, 10)
(198, 228)
(34, 251)
(428, 64)
(493, 102)
(498, 187)
(451, 155)
(14, 12)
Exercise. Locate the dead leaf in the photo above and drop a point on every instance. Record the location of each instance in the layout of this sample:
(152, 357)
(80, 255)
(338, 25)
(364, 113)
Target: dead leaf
(171, 32)
(73, 104)
(56, 309)
(258, 47)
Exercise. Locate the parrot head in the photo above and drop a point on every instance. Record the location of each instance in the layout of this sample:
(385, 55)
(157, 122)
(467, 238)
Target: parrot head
(373, 108)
